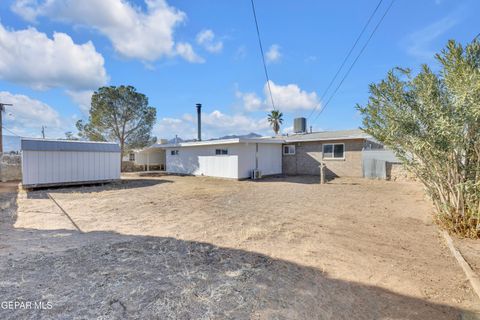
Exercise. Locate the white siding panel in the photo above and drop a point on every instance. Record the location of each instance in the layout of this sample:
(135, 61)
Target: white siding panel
(51, 167)
(42, 164)
(270, 159)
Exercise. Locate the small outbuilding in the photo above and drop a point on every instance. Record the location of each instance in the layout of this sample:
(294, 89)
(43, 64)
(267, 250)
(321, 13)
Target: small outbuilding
(237, 158)
(62, 162)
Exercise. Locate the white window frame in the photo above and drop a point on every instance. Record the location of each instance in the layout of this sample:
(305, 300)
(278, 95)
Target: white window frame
(333, 151)
(174, 152)
(290, 148)
(131, 156)
(222, 152)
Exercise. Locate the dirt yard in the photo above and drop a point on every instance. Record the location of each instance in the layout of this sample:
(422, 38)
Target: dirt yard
(172, 247)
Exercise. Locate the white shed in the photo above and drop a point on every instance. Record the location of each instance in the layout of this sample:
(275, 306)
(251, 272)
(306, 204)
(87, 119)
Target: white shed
(61, 162)
(227, 158)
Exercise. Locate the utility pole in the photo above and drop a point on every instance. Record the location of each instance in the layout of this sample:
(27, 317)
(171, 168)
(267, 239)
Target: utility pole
(2, 109)
(43, 132)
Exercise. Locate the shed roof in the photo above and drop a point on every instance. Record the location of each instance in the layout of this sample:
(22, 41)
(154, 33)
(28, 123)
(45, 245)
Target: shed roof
(68, 145)
(328, 135)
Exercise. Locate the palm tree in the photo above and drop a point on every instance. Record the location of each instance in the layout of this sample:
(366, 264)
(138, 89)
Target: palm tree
(275, 118)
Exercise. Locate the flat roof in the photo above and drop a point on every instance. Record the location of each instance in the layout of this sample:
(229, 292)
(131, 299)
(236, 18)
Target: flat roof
(298, 137)
(328, 135)
(31, 144)
(269, 140)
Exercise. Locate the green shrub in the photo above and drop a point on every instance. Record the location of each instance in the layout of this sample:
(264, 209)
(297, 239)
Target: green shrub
(432, 121)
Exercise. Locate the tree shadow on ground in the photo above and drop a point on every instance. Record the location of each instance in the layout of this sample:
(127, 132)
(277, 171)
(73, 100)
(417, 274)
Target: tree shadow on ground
(115, 276)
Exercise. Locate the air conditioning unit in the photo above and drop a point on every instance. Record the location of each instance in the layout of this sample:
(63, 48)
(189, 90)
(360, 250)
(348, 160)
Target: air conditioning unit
(256, 174)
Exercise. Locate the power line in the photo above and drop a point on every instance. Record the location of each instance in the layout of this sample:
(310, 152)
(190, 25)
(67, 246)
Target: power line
(11, 131)
(263, 55)
(355, 61)
(347, 56)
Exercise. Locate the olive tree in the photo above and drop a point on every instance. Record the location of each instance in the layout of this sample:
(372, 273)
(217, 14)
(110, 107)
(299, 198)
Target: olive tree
(432, 122)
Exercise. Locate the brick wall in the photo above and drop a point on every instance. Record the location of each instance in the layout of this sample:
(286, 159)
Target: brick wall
(308, 156)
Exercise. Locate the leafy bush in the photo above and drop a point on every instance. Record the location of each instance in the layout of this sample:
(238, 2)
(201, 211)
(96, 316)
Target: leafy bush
(432, 121)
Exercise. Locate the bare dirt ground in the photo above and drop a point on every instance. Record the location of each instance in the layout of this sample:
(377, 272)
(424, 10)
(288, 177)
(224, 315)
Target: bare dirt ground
(172, 247)
(470, 249)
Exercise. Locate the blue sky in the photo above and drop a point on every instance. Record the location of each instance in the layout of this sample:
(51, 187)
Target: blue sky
(55, 53)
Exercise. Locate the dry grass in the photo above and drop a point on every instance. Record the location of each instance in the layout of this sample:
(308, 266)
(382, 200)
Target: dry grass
(199, 248)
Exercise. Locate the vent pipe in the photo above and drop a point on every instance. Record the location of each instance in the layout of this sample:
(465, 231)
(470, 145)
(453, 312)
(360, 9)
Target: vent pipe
(199, 121)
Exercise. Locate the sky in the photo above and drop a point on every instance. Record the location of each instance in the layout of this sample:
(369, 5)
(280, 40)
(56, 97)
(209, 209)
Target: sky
(55, 53)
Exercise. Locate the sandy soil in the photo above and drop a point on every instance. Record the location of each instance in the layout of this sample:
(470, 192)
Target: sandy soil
(173, 247)
(470, 250)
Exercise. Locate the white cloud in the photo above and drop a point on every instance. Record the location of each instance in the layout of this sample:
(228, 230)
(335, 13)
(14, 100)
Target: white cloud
(206, 38)
(250, 101)
(27, 116)
(147, 35)
(291, 98)
(82, 98)
(214, 125)
(287, 98)
(185, 50)
(273, 54)
(31, 58)
(25, 9)
(419, 44)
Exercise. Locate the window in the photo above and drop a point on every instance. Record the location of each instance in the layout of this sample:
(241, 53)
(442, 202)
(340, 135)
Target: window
(221, 151)
(334, 151)
(174, 152)
(131, 156)
(289, 149)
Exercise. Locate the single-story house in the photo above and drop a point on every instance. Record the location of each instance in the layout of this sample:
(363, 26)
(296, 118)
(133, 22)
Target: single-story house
(297, 154)
(234, 158)
(340, 151)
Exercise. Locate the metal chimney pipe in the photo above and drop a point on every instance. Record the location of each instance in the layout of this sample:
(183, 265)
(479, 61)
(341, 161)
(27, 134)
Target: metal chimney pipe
(199, 121)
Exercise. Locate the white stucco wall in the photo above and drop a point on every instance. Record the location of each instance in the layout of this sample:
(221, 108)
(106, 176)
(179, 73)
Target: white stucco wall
(238, 164)
(201, 160)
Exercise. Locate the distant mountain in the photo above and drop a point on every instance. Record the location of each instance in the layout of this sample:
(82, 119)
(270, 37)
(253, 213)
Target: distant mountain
(11, 143)
(245, 136)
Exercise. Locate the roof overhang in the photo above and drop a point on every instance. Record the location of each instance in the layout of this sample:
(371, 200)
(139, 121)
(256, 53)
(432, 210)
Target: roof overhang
(293, 140)
(225, 141)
